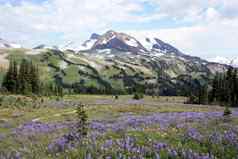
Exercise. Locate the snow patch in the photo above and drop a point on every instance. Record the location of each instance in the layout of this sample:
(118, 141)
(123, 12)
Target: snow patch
(131, 42)
(63, 65)
(79, 47)
(105, 51)
(158, 54)
(148, 43)
(16, 46)
(88, 45)
(105, 40)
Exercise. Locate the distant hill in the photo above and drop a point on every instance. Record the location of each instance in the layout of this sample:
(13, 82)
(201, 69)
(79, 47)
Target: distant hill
(7, 44)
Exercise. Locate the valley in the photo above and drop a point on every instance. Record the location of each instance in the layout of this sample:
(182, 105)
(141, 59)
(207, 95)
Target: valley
(115, 97)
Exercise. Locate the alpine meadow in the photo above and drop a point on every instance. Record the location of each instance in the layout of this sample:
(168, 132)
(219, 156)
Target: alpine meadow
(163, 84)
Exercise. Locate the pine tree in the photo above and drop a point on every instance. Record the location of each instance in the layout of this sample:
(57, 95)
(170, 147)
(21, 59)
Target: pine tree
(11, 77)
(82, 124)
(29, 81)
(24, 87)
(203, 95)
(15, 77)
(35, 79)
(225, 88)
(215, 89)
(229, 85)
(233, 88)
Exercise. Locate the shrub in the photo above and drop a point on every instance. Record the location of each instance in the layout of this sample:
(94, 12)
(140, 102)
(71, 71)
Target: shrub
(138, 96)
(227, 112)
(82, 117)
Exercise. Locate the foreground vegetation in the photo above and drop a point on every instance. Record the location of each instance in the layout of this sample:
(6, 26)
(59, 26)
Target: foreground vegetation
(116, 128)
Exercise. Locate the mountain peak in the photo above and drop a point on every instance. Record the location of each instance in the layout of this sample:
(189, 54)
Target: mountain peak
(94, 36)
(118, 41)
(111, 32)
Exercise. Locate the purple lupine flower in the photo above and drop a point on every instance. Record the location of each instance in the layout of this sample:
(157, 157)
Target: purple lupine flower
(58, 145)
(160, 146)
(194, 134)
(231, 137)
(172, 153)
(215, 138)
(32, 128)
(107, 144)
(68, 141)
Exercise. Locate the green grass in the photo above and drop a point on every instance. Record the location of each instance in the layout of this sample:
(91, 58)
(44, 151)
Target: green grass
(102, 108)
(110, 71)
(72, 74)
(16, 54)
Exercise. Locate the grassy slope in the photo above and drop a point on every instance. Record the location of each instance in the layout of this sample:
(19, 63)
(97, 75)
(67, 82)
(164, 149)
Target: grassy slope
(94, 70)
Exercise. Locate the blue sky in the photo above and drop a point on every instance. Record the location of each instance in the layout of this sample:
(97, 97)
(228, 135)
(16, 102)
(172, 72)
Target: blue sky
(206, 28)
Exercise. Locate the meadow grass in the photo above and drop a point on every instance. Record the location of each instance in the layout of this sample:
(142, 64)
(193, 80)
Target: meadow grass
(149, 121)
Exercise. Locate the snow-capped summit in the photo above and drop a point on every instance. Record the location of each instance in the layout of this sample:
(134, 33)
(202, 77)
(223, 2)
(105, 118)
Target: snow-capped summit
(118, 41)
(155, 44)
(7, 44)
(122, 42)
(87, 45)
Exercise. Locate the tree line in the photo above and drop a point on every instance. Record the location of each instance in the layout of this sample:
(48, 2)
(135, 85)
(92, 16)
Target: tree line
(223, 90)
(24, 78)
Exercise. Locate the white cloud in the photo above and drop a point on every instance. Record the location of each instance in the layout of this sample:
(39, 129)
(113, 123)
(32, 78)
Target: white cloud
(72, 18)
(213, 30)
(210, 40)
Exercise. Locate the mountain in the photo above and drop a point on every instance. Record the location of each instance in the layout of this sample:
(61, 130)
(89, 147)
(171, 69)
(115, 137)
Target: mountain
(87, 45)
(117, 63)
(7, 44)
(118, 41)
(43, 46)
(226, 61)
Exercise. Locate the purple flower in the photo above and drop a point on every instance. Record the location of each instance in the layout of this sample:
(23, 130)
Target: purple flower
(160, 146)
(230, 137)
(107, 145)
(32, 128)
(194, 134)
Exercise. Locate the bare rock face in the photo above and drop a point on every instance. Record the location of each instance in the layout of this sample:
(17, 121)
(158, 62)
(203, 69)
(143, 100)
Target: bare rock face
(118, 41)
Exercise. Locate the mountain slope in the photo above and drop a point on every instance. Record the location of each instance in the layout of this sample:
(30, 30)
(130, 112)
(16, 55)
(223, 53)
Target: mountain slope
(118, 63)
(226, 61)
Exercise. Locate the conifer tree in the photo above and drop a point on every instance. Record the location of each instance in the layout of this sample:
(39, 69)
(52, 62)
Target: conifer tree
(203, 95)
(225, 88)
(24, 85)
(215, 88)
(10, 79)
(82, 124)
(35, 79)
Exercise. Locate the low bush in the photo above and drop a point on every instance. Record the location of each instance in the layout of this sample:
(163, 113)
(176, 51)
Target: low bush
(138, 96)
